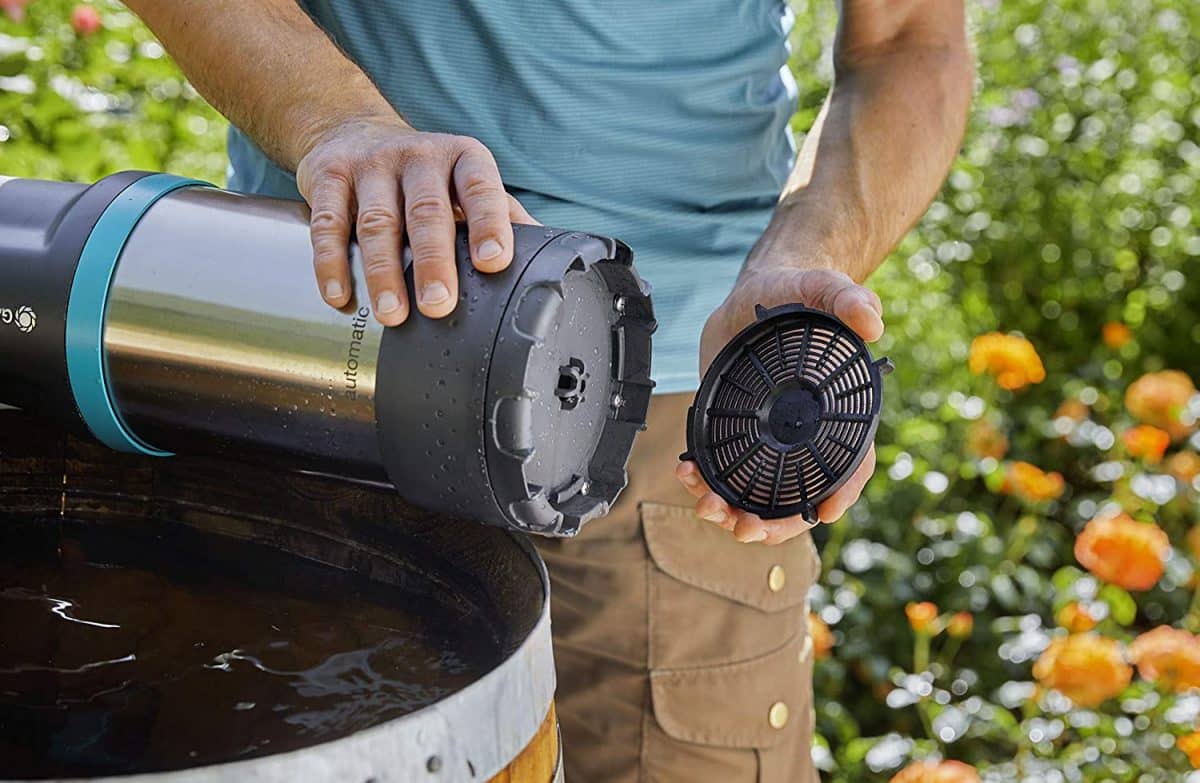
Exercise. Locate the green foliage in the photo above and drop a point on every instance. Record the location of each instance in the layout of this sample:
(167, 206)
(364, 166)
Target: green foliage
(79, 107)
(1072, 205)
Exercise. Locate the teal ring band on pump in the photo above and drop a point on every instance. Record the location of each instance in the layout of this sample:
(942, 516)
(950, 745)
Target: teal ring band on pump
(87, 363)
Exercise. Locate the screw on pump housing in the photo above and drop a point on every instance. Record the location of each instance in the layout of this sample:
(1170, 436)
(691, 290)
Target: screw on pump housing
(786, 412)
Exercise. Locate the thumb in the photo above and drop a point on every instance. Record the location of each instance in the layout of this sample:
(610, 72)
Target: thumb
(834, 292)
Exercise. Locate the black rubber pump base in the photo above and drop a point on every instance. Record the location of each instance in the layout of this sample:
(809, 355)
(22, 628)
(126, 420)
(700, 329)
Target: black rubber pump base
(786, 413)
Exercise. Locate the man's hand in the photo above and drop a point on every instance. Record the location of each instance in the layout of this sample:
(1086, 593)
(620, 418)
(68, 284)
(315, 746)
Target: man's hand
(385, 180)
(871, 163)
(267, 67)
(823, 289)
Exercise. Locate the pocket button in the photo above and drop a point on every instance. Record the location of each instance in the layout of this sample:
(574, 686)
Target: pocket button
(778, 716)
(776, 578)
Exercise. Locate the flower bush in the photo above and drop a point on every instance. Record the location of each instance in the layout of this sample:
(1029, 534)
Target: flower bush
(1017, 597)
(86, 90)
(1038, 462)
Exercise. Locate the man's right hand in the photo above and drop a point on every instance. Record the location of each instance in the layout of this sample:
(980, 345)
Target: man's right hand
(386, 181)
(267, 67)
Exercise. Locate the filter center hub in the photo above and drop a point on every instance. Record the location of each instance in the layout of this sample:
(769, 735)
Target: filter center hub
(793, 415)
(572, 382)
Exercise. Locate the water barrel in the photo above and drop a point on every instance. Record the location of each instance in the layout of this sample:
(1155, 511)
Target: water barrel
(500, 728)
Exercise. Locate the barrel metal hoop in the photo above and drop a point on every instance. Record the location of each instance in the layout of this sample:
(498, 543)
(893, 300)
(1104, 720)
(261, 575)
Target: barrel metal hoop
(87, 361)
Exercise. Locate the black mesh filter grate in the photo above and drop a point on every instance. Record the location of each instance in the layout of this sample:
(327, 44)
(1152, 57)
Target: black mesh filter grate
(786, 412)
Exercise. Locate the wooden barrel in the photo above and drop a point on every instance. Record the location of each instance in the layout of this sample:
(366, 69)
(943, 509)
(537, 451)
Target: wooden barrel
(501, 728)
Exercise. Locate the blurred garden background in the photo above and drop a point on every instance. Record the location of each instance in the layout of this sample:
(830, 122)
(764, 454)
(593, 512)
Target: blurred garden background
(1019, 591)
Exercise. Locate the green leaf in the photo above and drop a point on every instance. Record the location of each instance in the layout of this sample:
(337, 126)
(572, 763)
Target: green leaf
(1065, 578)
(1121, 605)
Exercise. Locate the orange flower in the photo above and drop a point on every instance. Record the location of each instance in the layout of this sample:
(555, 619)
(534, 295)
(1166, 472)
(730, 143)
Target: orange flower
(1161, 398)
(1086, 668)
(922, 617)
(960, 625)
(1073, 409)
(1168, 656)
(1076, 618)
(1031, 482)
(1193, 541)
(1190, 745)
(1184, 466)
(985, 439)
(1123, 551)
(936, 772)
(1115, 334)
(822, 637)
(1010, 358)
(1146, 442)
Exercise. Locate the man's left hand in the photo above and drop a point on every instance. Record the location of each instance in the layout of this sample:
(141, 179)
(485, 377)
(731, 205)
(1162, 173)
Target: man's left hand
(822, 289)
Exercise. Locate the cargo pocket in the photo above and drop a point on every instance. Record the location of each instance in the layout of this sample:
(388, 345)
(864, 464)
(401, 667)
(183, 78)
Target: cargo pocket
(730, 661)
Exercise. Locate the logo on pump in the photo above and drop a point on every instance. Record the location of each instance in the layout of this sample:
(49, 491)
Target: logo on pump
(24, 318)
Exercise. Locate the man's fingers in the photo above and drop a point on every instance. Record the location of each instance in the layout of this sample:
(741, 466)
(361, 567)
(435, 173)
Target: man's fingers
(689, 476)
(749, 528)
(839, 502)
(780, 530)
(713, 508)
(484, 202)
(710, 506)
(379, 229)
(859, 307)
(329, 228)
(834, 292)
(430, 224)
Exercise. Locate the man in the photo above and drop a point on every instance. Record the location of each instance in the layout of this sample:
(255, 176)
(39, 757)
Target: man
(682, 647)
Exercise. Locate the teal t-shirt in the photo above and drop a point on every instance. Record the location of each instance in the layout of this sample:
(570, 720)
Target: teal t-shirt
(661, 122)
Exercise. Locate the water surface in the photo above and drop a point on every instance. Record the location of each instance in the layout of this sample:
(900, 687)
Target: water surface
(124, 651)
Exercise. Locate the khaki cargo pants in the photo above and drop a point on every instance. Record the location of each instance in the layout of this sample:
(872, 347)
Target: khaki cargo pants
(683, 655)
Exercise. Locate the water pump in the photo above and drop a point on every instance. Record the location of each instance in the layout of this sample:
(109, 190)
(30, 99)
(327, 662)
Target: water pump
(161, 315)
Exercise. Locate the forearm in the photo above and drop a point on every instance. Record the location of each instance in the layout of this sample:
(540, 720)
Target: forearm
(877, 155)
(267, 67)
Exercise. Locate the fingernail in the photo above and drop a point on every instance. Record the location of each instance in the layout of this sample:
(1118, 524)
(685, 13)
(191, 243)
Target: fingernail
(333, 290)
(434, 293)
(387, 302)
(717, 517)
(488, 250)
(689, 479)
(756, 536)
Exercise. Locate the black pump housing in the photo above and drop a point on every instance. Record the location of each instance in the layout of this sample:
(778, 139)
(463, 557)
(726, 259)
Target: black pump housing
(162, 315)
(530, 396)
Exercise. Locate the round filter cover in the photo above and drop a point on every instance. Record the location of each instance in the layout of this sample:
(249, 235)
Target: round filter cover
(786, 413)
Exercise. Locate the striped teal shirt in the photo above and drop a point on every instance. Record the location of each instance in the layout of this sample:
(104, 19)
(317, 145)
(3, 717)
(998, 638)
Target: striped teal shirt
(662, 122)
